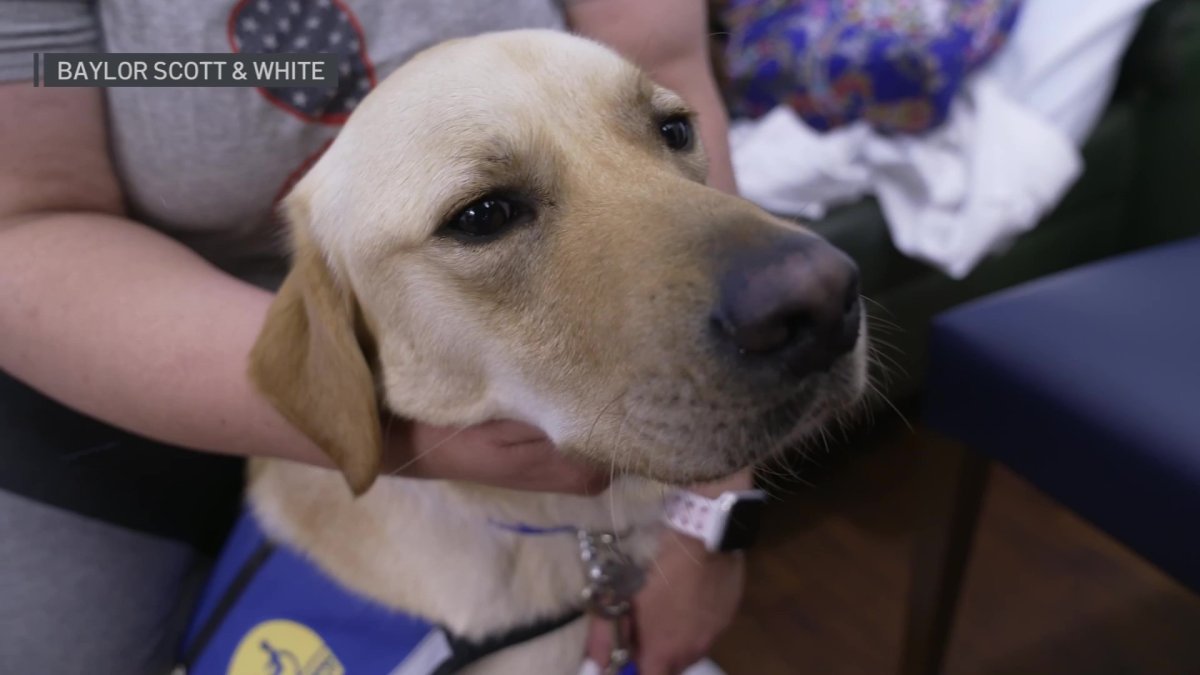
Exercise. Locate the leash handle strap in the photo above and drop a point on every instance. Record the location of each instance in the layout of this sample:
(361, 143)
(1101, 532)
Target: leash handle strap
(464, 652)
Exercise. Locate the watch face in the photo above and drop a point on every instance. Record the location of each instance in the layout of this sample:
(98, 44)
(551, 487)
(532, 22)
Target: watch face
(742, 526)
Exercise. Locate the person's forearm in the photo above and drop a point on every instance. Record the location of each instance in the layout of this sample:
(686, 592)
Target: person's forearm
(124, 324)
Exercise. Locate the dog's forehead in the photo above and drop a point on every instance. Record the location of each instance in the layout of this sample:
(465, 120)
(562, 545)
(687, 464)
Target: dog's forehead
(422, 135)
(538, 72)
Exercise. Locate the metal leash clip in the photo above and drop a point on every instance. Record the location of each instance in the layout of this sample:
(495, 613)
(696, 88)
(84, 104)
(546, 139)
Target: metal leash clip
(612, 579)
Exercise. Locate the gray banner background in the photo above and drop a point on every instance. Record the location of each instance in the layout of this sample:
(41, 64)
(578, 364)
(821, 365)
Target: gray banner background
(145, 70)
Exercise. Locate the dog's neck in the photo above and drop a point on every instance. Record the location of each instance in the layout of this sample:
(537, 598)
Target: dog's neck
(431, 548)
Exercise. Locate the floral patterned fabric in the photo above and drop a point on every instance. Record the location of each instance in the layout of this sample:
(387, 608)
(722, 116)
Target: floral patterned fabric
(895, 63)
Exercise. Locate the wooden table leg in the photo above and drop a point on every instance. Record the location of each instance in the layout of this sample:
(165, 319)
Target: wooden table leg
(953, 481)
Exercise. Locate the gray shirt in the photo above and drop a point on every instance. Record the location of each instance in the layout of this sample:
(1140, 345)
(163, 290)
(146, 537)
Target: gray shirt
(206, 165)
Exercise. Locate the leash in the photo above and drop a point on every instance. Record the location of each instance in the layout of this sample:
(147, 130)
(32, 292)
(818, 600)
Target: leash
(467, 652)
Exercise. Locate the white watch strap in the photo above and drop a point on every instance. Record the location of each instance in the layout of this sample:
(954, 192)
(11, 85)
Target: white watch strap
(691, 514)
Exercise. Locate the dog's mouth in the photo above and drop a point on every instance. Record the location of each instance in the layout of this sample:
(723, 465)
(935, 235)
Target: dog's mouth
(679, 429)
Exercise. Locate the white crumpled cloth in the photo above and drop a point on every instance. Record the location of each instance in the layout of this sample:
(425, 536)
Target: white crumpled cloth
(1005, 156)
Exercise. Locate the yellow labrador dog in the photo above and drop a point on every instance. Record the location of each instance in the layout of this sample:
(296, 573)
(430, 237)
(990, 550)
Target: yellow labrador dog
(516, 226)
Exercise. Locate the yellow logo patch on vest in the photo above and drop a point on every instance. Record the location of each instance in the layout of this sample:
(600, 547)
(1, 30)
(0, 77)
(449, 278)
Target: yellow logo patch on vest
(283, 647)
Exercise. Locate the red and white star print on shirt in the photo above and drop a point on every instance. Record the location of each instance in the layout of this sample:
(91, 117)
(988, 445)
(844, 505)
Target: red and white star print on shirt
(307, 26)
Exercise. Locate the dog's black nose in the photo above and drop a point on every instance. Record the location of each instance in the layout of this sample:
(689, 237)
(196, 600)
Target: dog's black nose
(796, 301)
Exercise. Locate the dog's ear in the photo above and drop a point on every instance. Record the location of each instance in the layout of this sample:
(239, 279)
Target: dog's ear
(309, 361)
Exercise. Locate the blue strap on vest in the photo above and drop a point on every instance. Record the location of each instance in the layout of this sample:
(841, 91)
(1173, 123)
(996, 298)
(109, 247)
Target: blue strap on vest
(269, 610)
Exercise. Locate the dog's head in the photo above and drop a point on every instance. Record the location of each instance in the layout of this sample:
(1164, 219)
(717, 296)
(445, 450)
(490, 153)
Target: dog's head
(516, 226)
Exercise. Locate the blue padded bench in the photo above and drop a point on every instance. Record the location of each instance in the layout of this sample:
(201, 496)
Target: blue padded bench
(1086, 383)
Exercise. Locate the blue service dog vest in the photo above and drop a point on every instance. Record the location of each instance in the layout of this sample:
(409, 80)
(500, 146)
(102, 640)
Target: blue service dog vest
(268, 610)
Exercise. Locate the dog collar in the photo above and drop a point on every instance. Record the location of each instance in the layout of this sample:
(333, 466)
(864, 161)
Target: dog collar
(532, 530)
(527, 530)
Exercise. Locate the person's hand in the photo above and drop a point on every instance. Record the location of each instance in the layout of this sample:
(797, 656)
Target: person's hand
(690, 597)
(501, 454)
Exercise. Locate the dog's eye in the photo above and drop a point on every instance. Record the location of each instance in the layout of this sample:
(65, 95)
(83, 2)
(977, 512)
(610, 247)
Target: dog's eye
(485, 218)
(677, 132)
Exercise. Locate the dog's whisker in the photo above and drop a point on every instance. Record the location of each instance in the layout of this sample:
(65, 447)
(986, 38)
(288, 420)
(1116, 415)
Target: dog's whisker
(612, 498)
(878, 357)
(884, 370)
(612, 477)
(679, 540)
(79, 454)
(587, 444)
(780, 465)
(874, 319)
(876, 391)
(826, 441)
(612, 468)
(879, 393)
(876, 342)
(662, 574)
(876, 303)
(427, 451)
(864, 406)
(882, 347)
(878, 322)
(766, 475)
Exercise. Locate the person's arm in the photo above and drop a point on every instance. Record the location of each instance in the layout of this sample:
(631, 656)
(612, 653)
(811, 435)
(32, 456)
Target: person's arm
(692, 594)
(111, 317)
(120, 322)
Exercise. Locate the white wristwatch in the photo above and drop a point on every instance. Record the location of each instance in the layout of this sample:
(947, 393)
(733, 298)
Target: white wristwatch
(728, 523)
